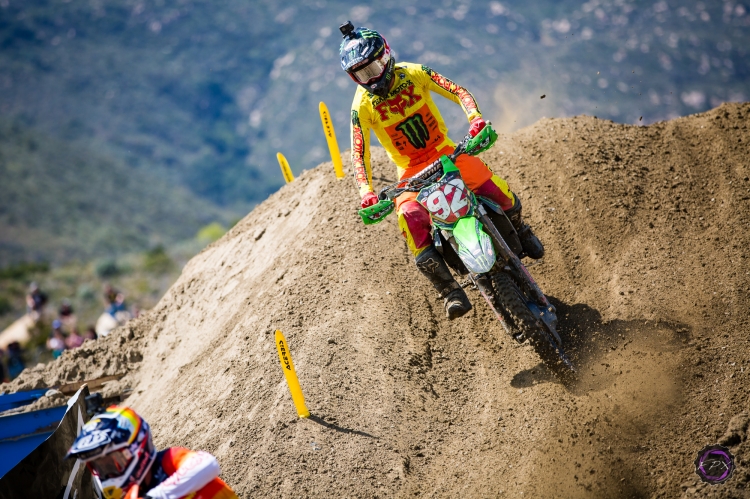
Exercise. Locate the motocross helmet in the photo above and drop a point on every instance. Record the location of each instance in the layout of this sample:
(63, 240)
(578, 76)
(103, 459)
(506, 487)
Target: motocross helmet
(366, 57)
(117, 448)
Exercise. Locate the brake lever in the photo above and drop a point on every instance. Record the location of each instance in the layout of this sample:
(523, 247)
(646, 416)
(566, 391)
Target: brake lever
(460, 148)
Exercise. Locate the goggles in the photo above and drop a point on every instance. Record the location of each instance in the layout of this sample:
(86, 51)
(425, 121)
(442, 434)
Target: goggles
(372, 71)
(111, 465)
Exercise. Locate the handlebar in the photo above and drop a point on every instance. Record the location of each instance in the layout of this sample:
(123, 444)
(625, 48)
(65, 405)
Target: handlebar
(423, 177)
(436, 166)
(427, 176)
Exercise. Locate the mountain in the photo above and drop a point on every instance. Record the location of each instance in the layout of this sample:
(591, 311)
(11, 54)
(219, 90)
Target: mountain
(203, 94)
(62, 201)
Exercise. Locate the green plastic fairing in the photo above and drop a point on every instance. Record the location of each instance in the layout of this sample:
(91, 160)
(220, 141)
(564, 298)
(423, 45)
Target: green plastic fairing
(377, 212)
(448, 165)
(474, 245)
(483, 141)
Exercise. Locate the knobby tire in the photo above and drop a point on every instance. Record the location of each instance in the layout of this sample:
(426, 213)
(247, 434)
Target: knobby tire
(509, 296)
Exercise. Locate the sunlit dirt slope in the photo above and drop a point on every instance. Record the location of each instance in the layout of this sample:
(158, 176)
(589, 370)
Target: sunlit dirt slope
(647, 232)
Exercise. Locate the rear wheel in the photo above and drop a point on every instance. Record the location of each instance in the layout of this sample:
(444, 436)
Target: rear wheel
(509, 297)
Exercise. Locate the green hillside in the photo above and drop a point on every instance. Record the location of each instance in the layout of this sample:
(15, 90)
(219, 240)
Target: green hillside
(63, 202)
(206, 93)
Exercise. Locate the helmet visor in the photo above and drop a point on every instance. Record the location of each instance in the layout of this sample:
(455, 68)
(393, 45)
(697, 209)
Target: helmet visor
(111, 465)
(372, 71)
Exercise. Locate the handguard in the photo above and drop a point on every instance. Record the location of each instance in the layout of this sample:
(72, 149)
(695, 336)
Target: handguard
(483, 141)
(377, 212)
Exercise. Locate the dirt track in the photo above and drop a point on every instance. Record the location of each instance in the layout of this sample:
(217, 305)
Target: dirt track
(647, 231)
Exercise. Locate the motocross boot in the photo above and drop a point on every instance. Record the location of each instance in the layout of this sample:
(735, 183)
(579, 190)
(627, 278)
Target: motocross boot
(432, 265)
(531, 244)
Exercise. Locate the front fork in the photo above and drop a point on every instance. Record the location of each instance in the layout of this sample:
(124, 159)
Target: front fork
(483, 282)
(512, 260)
(545, 312)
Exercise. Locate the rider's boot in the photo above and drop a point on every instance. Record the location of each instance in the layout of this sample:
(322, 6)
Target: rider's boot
(432, 265)
(531, 244)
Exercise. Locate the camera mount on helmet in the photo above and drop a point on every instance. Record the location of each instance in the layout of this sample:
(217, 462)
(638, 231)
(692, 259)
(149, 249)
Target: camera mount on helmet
(347, 29)
(367, 59)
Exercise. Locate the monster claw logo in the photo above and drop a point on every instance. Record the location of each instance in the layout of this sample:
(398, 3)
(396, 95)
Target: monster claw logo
(415, 131)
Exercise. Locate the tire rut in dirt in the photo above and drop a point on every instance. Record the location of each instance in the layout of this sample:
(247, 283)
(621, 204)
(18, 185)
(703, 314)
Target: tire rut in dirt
(507, 291)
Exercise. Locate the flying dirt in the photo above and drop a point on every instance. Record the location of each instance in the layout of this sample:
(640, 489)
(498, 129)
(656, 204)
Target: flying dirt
(646, 229)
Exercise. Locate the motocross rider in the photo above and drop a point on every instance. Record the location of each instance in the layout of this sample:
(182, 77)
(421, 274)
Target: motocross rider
(393, 99)
(117, 448)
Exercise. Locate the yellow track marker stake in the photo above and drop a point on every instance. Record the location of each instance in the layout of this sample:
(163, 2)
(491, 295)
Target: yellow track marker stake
(285, 357)
(285, 170)
(333, 146)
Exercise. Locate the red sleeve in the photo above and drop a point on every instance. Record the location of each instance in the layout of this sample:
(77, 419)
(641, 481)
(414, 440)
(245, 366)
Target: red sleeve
(172, 459)
(188, 472)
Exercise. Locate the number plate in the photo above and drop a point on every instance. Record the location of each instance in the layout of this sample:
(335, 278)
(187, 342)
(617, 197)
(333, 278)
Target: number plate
(448, 199)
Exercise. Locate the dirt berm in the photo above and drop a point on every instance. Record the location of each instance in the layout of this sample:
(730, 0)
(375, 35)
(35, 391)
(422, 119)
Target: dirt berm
(647, 232)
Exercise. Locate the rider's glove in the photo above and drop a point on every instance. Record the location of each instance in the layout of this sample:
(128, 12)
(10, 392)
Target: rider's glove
(369, 199)
(476, 126)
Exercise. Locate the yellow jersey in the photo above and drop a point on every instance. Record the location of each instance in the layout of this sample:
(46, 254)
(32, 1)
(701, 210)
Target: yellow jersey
(407, 122)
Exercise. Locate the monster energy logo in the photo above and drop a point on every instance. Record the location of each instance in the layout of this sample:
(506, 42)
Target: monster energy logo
(415, 131)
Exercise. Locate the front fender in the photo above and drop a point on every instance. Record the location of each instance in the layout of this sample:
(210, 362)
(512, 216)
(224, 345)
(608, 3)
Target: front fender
(474, 245)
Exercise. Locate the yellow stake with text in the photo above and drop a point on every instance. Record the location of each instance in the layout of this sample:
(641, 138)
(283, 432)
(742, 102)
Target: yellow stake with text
(285, 170)
(285, 357)
(333, 146)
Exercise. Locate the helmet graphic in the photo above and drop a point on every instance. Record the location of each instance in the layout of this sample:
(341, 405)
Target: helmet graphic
(117, 448)
(366, 57)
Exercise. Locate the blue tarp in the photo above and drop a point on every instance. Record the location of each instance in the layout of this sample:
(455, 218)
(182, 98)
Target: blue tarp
(41, 470)
(18, 399)
(22, 433)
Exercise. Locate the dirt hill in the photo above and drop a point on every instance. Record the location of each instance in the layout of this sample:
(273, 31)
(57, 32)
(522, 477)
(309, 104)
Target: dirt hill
(647, 231)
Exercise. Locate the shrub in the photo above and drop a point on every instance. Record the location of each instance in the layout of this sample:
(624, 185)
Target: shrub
(86, 293)
(211, 232)
(157, 261)
(19, 271)
(106, 268)
(5, 305)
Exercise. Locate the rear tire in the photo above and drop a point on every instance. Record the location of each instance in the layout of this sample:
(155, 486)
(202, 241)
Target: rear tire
(544, 345)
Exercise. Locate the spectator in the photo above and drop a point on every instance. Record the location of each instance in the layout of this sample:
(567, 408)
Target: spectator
(118, 305)
(15, 360)
(74, 340)
(90, 333)
(35, 301)
(110, 295)
(67, 314)
(56, 341)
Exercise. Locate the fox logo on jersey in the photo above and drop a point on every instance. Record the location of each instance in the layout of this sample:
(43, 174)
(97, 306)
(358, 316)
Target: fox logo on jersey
(404, 98)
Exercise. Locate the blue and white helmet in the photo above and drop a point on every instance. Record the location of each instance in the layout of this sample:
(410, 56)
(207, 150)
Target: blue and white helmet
(366, 57)
(117, 448)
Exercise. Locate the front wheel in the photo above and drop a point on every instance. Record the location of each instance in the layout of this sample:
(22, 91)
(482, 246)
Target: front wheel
(510, 298)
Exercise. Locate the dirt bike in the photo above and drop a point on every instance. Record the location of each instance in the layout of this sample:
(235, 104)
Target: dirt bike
(477, 240)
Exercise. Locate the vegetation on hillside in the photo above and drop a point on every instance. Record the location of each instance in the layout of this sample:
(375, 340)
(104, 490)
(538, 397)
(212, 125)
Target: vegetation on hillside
(61, 202)
(204, 94)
